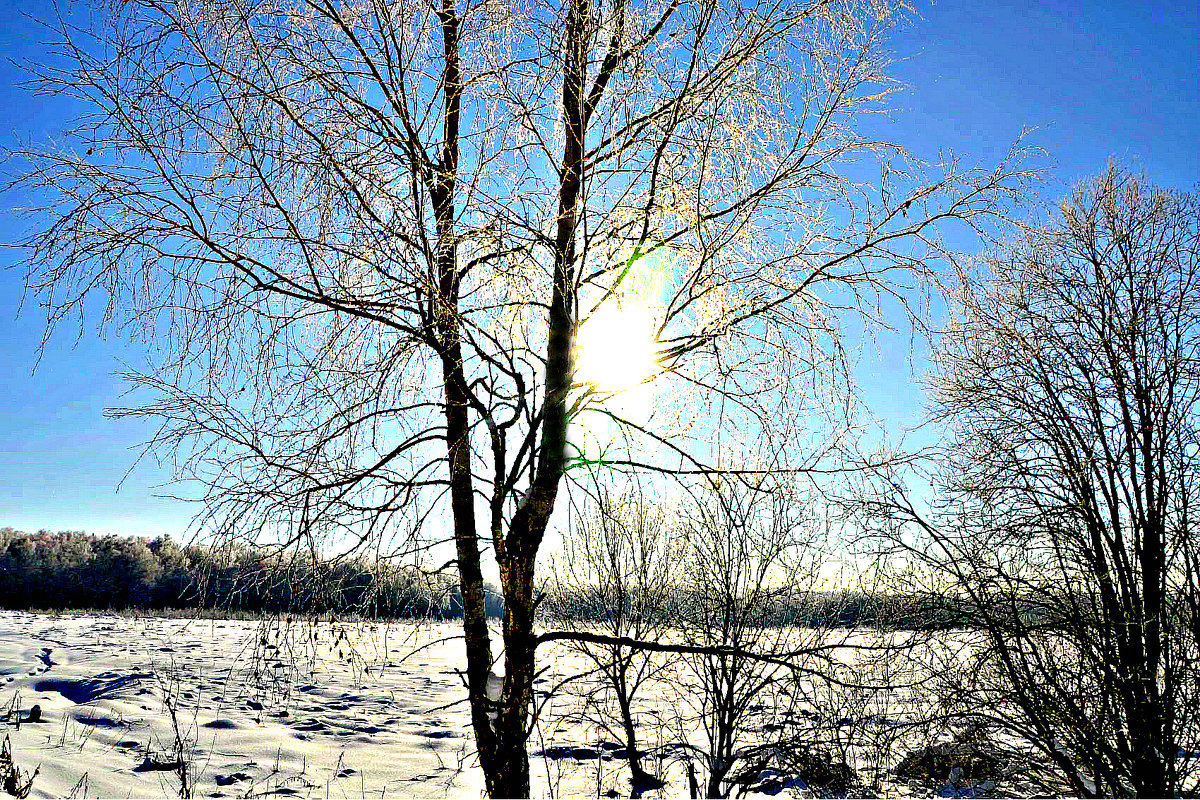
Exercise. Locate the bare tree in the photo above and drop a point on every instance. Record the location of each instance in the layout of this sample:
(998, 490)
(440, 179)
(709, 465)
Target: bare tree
(1071, 382)
(751, 558)
(616, 574)
(362, 236)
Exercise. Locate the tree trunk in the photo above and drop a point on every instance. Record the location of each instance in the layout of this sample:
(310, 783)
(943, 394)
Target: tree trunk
(508, 776)
(494, 749)
(631, 743)
(506, 766)
(1148, 772)
(639, 778)
(475, 630)
(502, 726)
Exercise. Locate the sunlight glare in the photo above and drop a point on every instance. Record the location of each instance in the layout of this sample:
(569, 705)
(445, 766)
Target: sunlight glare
(615, 349)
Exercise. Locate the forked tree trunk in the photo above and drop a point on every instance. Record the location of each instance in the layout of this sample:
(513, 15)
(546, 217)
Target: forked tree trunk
(502, 725)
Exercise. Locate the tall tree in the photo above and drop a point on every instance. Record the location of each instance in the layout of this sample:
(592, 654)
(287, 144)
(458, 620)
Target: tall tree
(1071, 385)
(362, 235)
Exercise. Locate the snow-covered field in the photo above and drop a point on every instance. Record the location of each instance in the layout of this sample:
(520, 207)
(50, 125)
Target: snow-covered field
(321, 711)
(311, 710)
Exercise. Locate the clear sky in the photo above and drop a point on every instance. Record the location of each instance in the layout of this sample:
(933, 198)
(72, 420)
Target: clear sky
(1095, 79)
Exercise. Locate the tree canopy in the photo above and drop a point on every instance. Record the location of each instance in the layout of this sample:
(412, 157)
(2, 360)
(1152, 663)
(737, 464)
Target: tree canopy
(361, 238)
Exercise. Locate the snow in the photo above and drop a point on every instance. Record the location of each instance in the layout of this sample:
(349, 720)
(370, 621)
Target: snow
(260, 711)
(291, 709)
(307, 710)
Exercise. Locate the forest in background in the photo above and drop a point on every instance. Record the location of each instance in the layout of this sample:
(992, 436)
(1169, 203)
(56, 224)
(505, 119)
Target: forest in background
(77, 570)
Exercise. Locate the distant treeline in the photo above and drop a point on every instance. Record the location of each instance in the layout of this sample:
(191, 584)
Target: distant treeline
(71, 569)
(827, 609)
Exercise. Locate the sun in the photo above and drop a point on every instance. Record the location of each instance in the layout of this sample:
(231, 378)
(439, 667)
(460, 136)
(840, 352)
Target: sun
(615, 349)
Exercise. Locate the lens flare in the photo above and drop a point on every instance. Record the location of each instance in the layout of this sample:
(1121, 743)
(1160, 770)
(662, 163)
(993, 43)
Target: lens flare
(615, 349)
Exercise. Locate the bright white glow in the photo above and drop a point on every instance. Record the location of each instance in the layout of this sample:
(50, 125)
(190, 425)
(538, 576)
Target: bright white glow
(615, 349)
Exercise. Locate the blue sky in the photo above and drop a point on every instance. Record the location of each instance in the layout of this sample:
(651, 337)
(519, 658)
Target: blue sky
(1095, 79)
